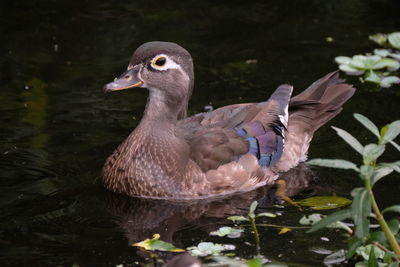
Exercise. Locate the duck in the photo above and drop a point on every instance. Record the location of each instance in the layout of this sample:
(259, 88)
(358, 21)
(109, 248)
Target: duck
(232, 149)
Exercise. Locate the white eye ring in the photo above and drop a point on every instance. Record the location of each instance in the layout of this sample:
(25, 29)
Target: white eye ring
(168, 63)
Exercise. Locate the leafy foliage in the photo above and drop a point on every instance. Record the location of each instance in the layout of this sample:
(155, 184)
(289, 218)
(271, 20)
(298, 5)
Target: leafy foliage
(377, 67)
(379, 245)
(156, 244)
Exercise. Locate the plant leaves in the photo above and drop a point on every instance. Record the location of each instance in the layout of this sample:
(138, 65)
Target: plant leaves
(394, 226)
(354, 243)
(237, 218)
(284, 230)
(342, 60)
(367, 124)
(205, 249)
(351, 140)
(380, 173)
(388, 63)
(371, 76)
(332, 218)
(395, 208)
(253, 207)
(227, 231)
(392, 132)
(394, 165)
(334, 163)
(371, 152)
(256, 262)
(379, 38)
(394, 39)
(360, 209)
(156, 244)
(388, 81)
(266, 214)
(324, 202)
(335, 258)
(372, 261)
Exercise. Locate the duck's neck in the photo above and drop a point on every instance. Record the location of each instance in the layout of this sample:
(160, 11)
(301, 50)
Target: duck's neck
(161, 111)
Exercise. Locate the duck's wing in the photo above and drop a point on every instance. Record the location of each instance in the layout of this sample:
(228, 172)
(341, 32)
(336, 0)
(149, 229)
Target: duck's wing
(227, 134)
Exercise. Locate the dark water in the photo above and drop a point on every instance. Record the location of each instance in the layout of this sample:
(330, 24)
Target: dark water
(57, 128)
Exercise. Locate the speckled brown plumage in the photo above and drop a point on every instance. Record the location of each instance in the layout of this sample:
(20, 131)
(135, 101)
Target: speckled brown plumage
(232, 149)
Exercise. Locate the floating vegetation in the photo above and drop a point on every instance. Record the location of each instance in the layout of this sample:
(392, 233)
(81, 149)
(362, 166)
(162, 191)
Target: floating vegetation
(156, 244)
(324, 202)
(209, 248)
(380, 67)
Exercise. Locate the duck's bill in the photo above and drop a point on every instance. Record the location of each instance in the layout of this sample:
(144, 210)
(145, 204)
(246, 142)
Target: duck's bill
(127, 80)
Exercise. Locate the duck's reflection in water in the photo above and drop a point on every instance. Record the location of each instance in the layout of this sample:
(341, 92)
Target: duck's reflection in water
(141, 218)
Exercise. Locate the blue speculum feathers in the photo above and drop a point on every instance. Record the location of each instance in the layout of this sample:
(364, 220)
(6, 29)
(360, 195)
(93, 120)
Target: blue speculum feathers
(266, 146)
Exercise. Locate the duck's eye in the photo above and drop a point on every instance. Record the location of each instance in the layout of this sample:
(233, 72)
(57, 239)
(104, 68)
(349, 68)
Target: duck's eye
(159, 61)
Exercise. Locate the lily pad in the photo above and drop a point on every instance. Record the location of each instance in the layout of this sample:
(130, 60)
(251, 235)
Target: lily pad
(207, 248)
(156, 244)
(394, 39)
(227, 231)
(379, 38)
(324, 202)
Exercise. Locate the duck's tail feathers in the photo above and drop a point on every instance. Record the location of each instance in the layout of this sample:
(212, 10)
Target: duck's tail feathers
(320, 102)
(308, 111)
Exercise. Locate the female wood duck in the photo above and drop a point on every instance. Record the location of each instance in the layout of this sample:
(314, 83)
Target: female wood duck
(232, 149)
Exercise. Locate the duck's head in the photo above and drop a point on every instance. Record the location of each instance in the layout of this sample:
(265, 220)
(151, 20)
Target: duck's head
(165, 68)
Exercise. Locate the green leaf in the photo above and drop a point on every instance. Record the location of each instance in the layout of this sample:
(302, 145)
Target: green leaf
(382, 52)
(394, 165)
(360, 209)
(237, 218)
(371, 76)
(351, 140)
(379, 38)
(253, 207)
(342, 60)
(392, 132)
(394, 39)
(367, 124)
(227, 231)
(334, 163)
(372, 261)
(388, 63)
(394, 226)
(395, 208)
(380, 173)
(365, 252)
(354, 244)
(350, 70)
(324, 202)
(371, 152)
(395, 145)
(332, 218)
(256, 262)
(366, 172)
(266, 214)
(156, 244)
(335, 258)
(205, 249)
(388, 81)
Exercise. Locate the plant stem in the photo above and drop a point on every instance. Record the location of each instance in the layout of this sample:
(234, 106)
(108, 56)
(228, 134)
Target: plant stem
(381, 220)
(255, 231)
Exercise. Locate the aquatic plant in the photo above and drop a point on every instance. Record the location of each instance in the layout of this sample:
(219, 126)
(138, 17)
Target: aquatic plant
(378, 67)
(368, 245)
